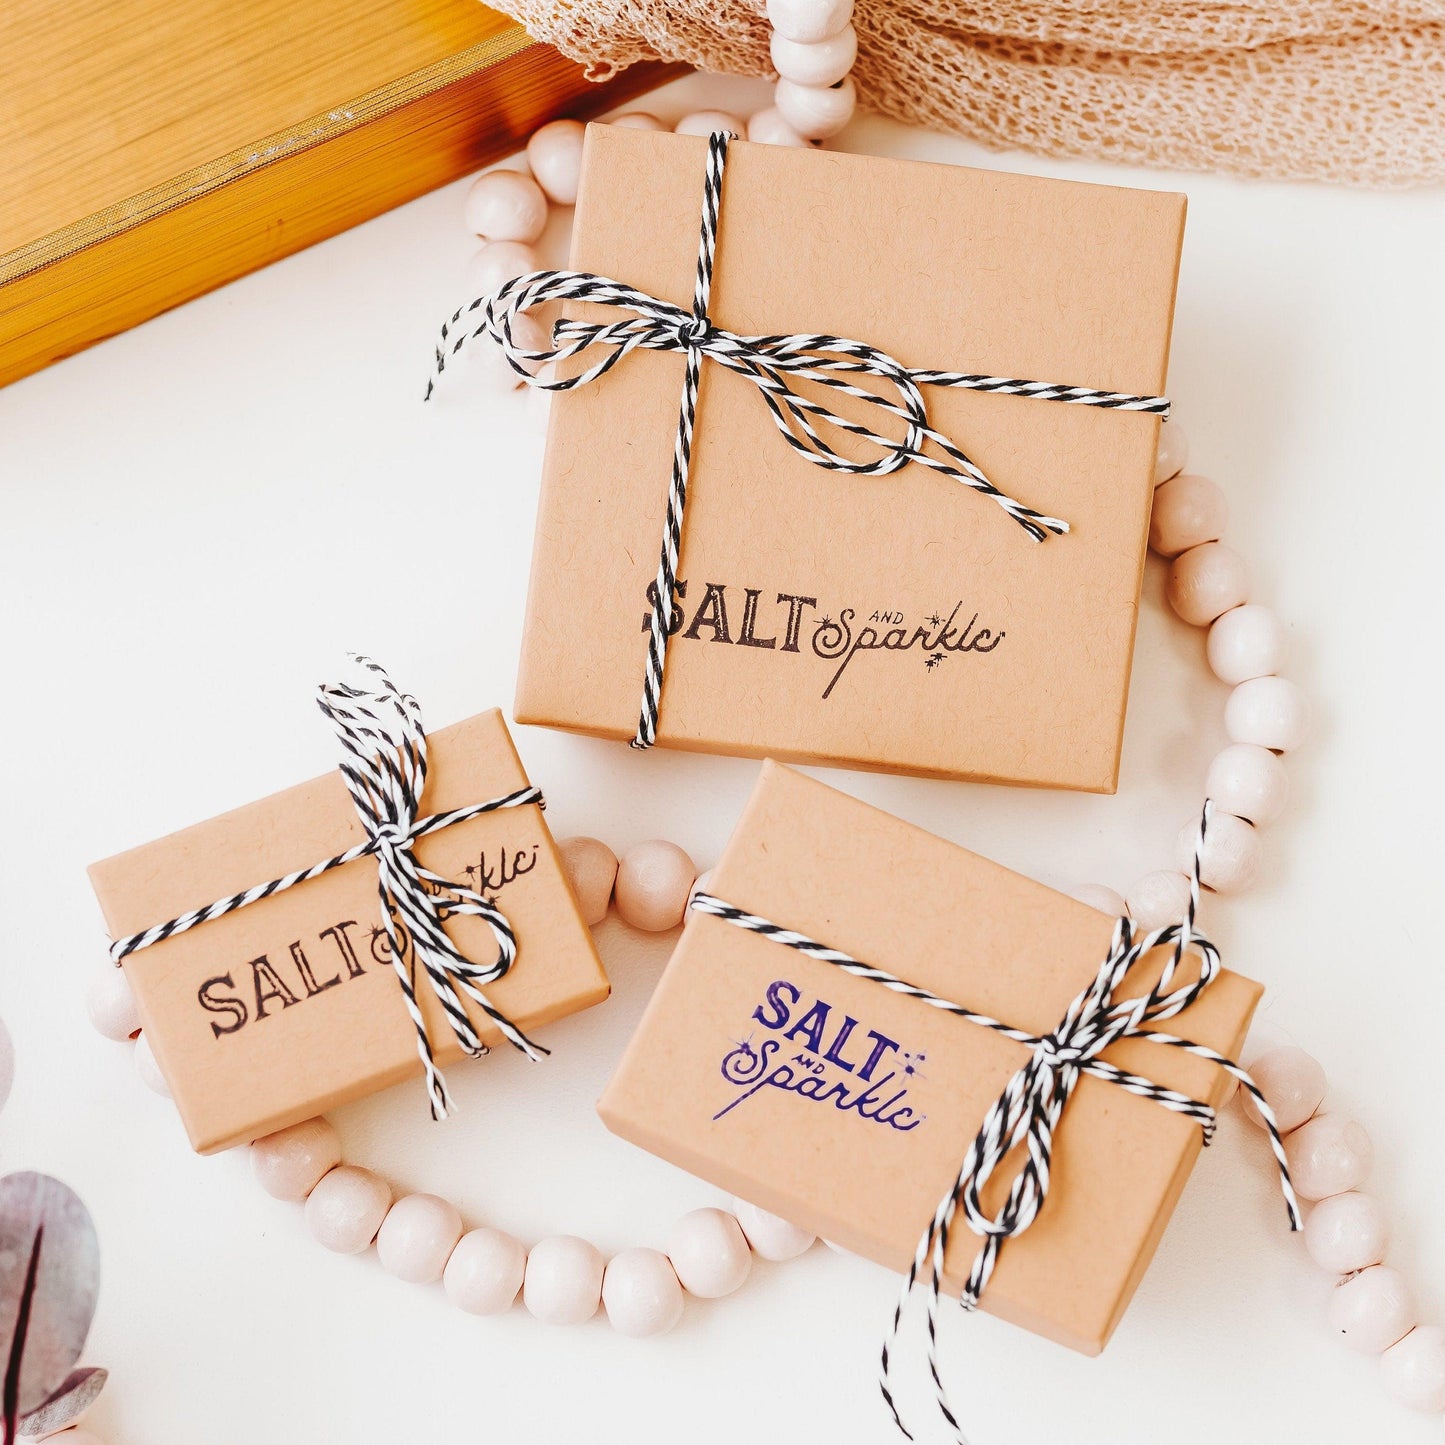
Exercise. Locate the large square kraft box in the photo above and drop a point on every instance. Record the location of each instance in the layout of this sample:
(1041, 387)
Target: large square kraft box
(901, 622)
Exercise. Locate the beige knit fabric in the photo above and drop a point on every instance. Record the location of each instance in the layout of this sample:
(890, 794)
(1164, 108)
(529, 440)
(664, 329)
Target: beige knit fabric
(1339, 90)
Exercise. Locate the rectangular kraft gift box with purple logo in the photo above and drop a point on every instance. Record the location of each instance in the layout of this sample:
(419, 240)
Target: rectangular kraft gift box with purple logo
(290, 1006)
(900, 622)
(848, 1109)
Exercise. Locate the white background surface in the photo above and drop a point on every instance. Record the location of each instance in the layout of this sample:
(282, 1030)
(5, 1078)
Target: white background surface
(202, 516)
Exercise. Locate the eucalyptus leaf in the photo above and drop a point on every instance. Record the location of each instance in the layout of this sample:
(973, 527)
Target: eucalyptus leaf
(67, 1404)
(49, 1280)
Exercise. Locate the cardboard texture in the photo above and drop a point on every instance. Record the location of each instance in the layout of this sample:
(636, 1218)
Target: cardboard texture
(812, 604)
(290, 1006)
(700, 1082)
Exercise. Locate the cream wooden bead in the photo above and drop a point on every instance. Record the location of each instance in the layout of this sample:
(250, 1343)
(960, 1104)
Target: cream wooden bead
(1173, 453)
(1248, 781)
(291, 1162)
(1188, 511)
(505, 206)
(1292, 1082)
(1271, 712)
(344, 1210)
(555, 156)
(709, 1252)
(592, 870)
(1096, 895)
(563, 1283)
(417, 1237)
(485, 1272)
(488, 359)
(1347, 1232)
(807, 21)
(1413, 1370)
(641, 1293)
(638, 120)
(1206, 581)
(496, 264)
(1159, 898)
(767, 127)
(772, 1238)
(1231, 853)
(147, 1067)
(653, 880)
(1245, 642)
(705, 122)
(1373, 1309)
(816, 62)
(1328, 1155)
(701, 884)
(111, 1004)
(816, 111)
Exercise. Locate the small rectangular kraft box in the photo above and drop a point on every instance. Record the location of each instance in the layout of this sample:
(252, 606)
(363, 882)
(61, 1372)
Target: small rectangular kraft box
(290, 1006)
(899, 622)
(710, 1081)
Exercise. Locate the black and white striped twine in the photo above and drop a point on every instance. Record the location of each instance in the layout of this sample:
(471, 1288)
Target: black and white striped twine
(384, 764)
(1028, 1110)
(770, 363)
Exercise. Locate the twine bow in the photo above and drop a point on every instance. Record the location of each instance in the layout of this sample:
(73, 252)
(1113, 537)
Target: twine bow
(774, 364)
(1027, 1112)
(384, 765)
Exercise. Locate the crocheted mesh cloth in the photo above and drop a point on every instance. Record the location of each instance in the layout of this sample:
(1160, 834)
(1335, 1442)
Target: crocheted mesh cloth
(1338, 90)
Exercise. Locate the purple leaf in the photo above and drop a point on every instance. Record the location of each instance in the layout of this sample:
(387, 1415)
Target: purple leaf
(67, 1404)
(49, 1279)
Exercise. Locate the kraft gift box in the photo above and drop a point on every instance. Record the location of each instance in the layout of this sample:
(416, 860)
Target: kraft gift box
(848, 1109)
(899, 622)
(290, 1006)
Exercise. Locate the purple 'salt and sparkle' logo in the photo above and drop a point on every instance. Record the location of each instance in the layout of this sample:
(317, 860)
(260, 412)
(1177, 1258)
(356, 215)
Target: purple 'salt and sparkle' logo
(823, 1059)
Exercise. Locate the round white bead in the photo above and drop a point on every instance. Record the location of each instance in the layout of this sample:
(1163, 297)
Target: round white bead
(701, 884)
(638, 120)
(641, 1293)
(816, 111)
(1293, 1083)
(771, 1237)
(809, 20)
(487, 359)
(1205, 582)
(1373, 1309)
(555, 155)
(1271, 712)
(1173, 454)
(291, 1162)
(496, 264)
(817, 62)
(111, 1004)
(148, 1069)
(1231, 852)
(1159, 898)
(1096, 895)
(563, 1283)
(344, 1211)
(705, 122)
(654, 880)
(767, 127)
(1413, 1370)
(592, 870)
(709, 1252)
(1248, 781)
(1328, 1155)
(1347, 1232)
(505, 206)
(1188, 511)
(417, 1237)
(1246, 642)
(485, 1272)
